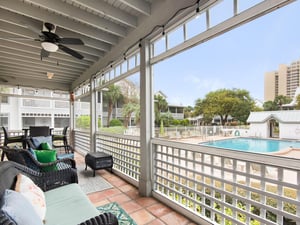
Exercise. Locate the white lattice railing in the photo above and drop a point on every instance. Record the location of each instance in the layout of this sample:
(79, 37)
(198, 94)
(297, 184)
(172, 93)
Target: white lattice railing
(82, 141)
(125, 151)
(226, 187)
(213, 186)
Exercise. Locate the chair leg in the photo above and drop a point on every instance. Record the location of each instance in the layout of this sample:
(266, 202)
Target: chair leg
(2, 155)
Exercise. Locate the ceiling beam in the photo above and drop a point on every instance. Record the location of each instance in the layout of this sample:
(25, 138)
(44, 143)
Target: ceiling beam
(109, 11)
(140, 6)
(76, 13)
(23, 65)
(28, 56)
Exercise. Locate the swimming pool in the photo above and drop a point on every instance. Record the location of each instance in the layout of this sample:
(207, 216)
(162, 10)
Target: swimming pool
(252, 144)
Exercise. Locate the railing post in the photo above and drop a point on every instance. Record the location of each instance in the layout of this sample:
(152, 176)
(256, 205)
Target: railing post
(93, 116)
(145, 181)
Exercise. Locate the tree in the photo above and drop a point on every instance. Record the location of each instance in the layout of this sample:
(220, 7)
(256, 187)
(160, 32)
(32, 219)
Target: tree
(277, 103)
(198, 110)
(225, 102)
(127, 111)
(112, 96)
(188, 111)
(280, 100)
(298, 102)
(244, 106)
(160, 105)
(270, 106)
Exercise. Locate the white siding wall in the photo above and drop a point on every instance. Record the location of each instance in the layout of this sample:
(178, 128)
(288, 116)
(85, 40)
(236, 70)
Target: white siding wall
(289, 131)
(259, 130)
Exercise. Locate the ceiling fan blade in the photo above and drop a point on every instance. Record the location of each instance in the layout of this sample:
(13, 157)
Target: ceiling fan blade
(70, 51)
(71, 41)
(44, 53)
(2, 80)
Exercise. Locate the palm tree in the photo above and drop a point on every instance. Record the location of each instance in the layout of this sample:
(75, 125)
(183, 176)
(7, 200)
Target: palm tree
(128, 109)
(160, 105)
(112, 96)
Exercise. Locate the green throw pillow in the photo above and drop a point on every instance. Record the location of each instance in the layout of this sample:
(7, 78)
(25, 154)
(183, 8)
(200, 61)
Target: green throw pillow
(45, 146)
(45, 156)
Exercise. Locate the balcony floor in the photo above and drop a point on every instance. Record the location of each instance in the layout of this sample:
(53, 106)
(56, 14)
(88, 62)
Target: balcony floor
(144, 210)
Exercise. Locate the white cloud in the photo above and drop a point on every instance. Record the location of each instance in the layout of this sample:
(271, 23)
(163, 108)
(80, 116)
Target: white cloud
(203, 85)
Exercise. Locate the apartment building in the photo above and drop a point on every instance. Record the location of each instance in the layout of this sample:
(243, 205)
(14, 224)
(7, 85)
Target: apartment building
(284, 81)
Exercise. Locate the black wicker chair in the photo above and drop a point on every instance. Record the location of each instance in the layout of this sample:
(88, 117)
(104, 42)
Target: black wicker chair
(12, 139)
(35, 131)
(24, 157)
(46, 181)
(61, 137)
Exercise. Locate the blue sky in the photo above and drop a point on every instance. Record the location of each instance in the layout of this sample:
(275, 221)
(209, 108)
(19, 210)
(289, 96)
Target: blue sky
(237, 59)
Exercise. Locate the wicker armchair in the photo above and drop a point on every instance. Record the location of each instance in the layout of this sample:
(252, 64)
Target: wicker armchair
(24, 157)
(62, 150)
(46, 181)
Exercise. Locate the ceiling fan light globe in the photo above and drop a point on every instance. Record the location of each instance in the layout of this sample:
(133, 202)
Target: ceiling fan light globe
(49, 46)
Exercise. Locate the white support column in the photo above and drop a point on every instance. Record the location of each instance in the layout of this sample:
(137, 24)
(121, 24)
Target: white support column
(72, 118)
(93, 116)
(145, 181)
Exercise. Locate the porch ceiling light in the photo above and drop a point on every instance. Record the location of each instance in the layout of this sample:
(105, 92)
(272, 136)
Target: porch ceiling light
(50, 75)
(49, 46)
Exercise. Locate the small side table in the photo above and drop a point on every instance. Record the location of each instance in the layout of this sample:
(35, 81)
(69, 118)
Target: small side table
(98, 160)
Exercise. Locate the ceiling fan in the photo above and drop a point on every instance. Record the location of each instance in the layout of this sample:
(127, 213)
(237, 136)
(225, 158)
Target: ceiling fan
(51, 42)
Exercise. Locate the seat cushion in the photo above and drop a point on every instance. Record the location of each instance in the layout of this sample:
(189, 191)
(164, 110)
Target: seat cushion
(68, 205)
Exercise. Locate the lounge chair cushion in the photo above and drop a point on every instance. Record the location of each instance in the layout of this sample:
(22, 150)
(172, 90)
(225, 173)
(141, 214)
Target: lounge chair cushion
(15, 206)
(68, 205)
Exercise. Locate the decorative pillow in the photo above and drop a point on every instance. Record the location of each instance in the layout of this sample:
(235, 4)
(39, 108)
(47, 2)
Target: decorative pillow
(45, 146)
(41, 139)
(45, 156)
(15, 206)
(32, 193)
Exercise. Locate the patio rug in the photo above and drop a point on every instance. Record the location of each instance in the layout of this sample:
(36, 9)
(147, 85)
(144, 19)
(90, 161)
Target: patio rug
(116, 209)
(88, 183)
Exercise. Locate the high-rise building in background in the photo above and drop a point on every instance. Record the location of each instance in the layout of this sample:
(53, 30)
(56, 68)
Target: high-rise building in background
(284, 81)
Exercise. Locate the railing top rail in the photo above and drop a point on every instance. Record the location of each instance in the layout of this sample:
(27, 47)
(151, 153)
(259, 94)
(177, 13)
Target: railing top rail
(272, 160)
(131, 137)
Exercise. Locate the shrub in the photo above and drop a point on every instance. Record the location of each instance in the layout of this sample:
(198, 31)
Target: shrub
(115, 123)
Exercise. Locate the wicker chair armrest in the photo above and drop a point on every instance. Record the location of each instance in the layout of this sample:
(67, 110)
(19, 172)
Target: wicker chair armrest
(54, 179)
(49, 180)
(59, 164)
(69, 147)
(102, 219)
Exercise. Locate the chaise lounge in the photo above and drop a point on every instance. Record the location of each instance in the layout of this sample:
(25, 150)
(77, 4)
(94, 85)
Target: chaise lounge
(65, 202)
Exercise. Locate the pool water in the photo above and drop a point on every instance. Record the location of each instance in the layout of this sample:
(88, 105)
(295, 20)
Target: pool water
(252, 144)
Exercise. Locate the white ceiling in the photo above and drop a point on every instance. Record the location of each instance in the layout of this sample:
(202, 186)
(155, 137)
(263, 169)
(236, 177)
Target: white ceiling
(107, 28)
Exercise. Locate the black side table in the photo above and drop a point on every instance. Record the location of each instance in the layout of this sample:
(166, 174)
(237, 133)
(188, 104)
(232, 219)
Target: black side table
(98, 160)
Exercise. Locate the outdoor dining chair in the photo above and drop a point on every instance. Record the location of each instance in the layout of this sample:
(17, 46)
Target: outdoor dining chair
(12, 139)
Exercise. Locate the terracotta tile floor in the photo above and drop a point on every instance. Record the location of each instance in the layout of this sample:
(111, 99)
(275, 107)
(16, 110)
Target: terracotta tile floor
(144, 210)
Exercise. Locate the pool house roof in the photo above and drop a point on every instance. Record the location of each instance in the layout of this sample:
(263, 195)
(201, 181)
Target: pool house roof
(285, 116)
